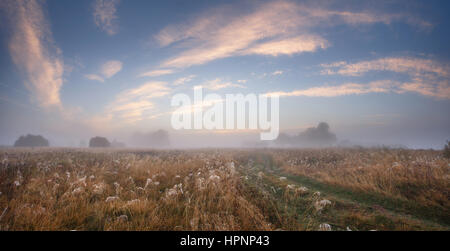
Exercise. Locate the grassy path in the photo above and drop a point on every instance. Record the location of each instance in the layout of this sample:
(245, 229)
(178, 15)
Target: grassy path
(385, 211)
(432, 216)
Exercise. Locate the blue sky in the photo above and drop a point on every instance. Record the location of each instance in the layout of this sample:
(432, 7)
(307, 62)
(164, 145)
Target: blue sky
(376, 71)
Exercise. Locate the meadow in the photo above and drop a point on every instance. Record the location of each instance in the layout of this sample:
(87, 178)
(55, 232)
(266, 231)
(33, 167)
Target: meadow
(334, 189)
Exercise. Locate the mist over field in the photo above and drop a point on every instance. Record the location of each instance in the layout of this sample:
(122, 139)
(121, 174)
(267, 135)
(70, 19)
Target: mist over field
(401, 137)
(302, 115)
(343, 63)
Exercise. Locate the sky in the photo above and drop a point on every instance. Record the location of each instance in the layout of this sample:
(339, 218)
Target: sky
(378, 72)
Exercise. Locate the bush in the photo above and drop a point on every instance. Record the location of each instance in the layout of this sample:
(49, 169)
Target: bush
(99, 142)
(31, 141)
(447, 150)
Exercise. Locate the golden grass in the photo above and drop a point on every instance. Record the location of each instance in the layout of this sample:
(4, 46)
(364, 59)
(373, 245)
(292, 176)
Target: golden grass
(76, 189)
(422, 176)
(67, 190)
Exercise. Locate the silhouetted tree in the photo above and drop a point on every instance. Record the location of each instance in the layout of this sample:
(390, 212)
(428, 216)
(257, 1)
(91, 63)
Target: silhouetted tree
(161, 138)
(284, 140)
(319, 136)
(31, 141)
(99, 142)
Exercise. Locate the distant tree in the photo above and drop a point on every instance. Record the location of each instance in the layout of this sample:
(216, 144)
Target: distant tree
(161, 138)
(319, 136)
(284, 140)
(447, 150)
(99, 142)
(31, 141)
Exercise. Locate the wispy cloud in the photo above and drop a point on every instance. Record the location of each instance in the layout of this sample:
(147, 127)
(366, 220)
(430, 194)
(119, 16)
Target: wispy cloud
(273, 29)
(278, 72)
(426, 77)
(110, 68)
(340, 90)
(156, 73)
(183, 80)
(94, 77)
(441, 91)
(218, 84)
(366, 17)
(34, 52)
(409, 65)
(221, 35)
(136, 104)
(105, 15)
(290, 46)
(107, 70)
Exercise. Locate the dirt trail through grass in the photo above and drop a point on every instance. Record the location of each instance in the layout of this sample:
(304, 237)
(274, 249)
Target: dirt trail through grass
(431, 217)
(394, 206)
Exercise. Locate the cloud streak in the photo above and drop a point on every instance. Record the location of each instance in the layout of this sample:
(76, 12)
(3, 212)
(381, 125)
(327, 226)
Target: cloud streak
(440, 91)
(107, 70)
(409, 65)
(340, 90)
(220, 35)
(105, 15)
(34, 52)
(218, 84)
(426, 77)
(94, 77)
(156, 73)
(110, 68)
(299, 44)
(278, 72)
(135, 104)
(183, 80)
(271, 29)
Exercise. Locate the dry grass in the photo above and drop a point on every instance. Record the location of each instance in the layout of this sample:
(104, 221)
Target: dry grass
(73, 189)
(65, 190)
(422, 176)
